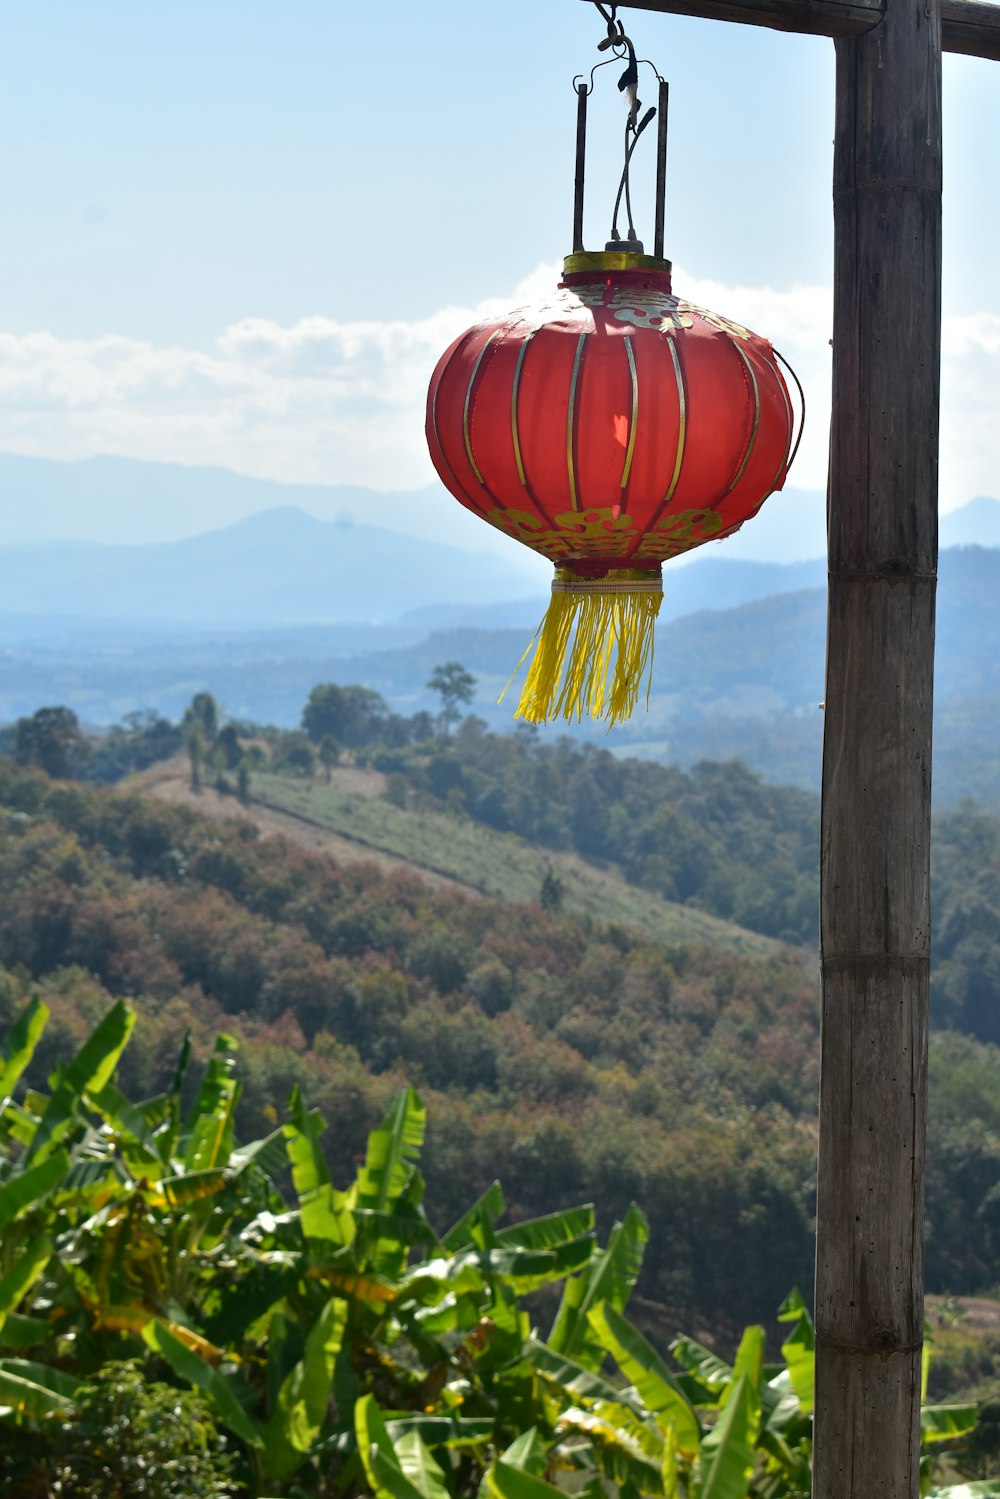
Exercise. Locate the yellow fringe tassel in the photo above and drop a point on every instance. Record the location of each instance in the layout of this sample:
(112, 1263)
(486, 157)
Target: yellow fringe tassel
(594, 647)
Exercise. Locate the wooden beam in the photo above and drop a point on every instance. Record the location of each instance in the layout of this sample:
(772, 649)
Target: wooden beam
(971, 27)
(875, 834)
(812, 17)
(968, 26)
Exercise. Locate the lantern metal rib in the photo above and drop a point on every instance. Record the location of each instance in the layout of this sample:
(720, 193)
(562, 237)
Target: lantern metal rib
(449, 476)
(756, 415)
(468, 403)
(634, 422)
(515, 438)
(571, 420)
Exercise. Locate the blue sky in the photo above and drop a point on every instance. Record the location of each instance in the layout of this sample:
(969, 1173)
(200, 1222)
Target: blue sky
(239, 234)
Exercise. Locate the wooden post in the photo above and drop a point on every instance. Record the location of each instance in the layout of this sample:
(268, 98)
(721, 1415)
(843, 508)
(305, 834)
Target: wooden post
(875, 906)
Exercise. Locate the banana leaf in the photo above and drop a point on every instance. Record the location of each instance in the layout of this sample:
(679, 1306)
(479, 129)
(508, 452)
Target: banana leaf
(799, 1349)
(351, 1283)
(383, 1466)
(168, 1132)
(610, 1277)
(988, 1489)
(27, 1267)
(268, 1154)
(516, 1483)
(574, 1379)
(641, 1364)
(748, 1365)
(89, 1072)
(630, 1454)
(550, 1231)
(20, 1046)
(436, 1431)
(34, 1390)
(392, 1151)
(450, 1314)
(20, 1331)
(529, 1452)
(443, 1431)
(709, 1371)
(325, 1213)
(727, 1455)
(301, 1406)
(125, 1118)
(941, 1423)
(192, 1367)
(190, 1186)
(490, 1206)
(526, 1270)
(29, 1186)
(209, 1128)
(420, 1466)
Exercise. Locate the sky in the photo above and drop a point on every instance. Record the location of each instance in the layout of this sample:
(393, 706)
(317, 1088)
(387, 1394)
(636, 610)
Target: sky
(242, 234)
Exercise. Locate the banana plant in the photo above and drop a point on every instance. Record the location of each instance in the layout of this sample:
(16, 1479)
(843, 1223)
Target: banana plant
(336, 1335)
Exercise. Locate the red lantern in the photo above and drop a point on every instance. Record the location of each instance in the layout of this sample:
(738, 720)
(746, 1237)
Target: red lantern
(609, 428)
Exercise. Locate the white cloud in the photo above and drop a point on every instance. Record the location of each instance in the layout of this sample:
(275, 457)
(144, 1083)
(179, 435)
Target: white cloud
(342, 402)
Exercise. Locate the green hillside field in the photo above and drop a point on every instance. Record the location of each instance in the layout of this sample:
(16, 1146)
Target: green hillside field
(503, 865)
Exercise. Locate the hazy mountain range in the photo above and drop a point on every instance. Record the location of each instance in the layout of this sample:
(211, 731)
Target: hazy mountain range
(284, 566)
(260, 611)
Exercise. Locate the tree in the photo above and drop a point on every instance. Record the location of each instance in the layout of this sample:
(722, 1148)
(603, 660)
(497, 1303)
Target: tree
(195, 746)
(203, 712)
(329, 754)
(454, 685)
(352, 715)
(553, 891)
(294, 753)
(228, 743)
(51, 739)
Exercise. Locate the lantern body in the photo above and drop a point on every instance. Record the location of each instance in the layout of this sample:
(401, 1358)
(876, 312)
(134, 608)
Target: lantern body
(612, 426)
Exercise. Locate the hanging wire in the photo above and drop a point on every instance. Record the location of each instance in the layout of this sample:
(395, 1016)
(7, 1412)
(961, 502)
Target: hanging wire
(623, 50)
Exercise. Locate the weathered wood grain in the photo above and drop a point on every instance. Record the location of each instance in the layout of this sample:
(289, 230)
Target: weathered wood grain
(968, 26)
(972, 27)
(810, 17)
(875, 904)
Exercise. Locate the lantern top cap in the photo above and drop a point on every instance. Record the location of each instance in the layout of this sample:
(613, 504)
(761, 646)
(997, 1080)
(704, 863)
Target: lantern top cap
(597, 262)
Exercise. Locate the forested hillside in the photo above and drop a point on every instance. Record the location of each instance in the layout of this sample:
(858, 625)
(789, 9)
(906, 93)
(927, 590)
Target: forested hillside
(586, 1061)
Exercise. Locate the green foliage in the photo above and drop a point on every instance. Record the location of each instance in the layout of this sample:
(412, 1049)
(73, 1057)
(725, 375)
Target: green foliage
(51, 739)
(141, 740)
(203, 714)
(124, 1436)
(352, 716)
(335, 1337)
(454, 686)
(594, 1061)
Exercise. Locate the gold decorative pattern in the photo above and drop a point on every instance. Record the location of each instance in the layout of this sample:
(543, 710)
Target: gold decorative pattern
(576, 533)
(724, 324)
(676, 533)
(601, 533)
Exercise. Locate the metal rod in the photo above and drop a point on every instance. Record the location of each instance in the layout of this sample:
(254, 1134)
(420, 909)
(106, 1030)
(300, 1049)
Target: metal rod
(661, 168)
(581, 163)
